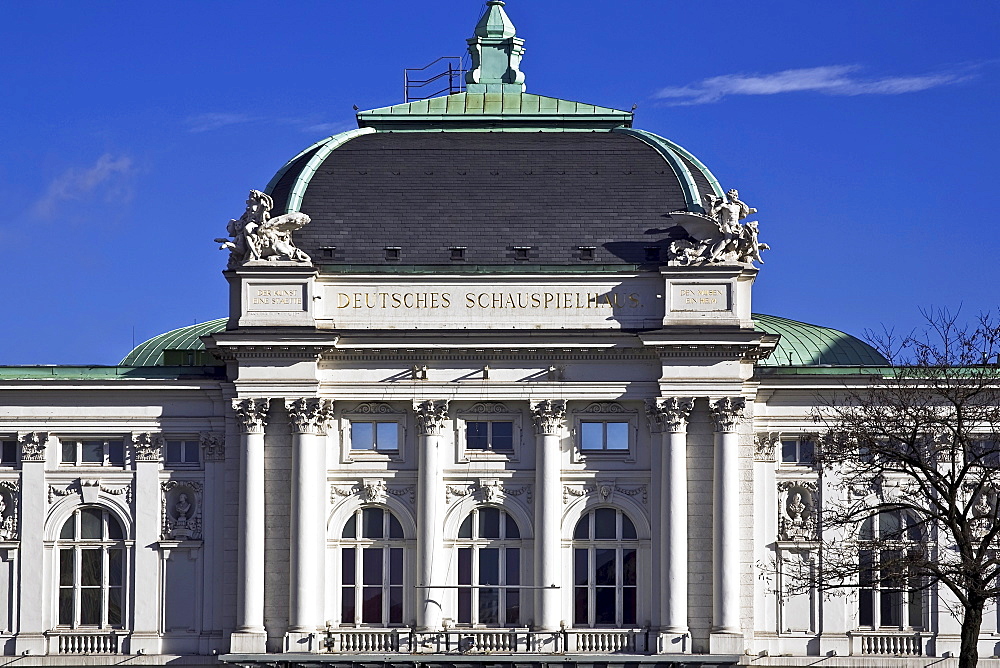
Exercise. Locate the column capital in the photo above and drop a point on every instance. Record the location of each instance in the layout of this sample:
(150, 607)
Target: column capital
(727, 412)
(549, 416)
(309, 415)
(431, 416)
(669, 414)
(147, 446)
(32, 445)
(251, 414)
(213, 446)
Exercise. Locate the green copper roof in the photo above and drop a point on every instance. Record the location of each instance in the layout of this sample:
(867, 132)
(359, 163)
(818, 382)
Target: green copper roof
(150, 353)
(801, 345)
(808, 345)
(524, 112)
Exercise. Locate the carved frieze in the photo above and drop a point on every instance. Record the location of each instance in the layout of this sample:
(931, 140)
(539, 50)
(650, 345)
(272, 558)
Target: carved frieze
(213, 447)
(604, 490)
(251, 414)
(309, 415)
(669, 414)
(147, 446)
(373, 490)
(764, 446)
(548, 416)
(727, 412)
(10, 499)
(89, 490)
(431, 417)
(486, 490)
(181, 509)
(604, 407)
(798, 510)
(32, 446)
(488, 407)
(375, 408)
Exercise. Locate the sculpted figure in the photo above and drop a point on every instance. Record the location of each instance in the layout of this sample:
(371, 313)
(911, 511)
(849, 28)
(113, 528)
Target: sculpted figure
(718, 235)
(183, 507)
(727, 213)
(258, 236)
(796, 508)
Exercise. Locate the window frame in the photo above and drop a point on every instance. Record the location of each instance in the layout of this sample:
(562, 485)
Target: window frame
(14, 462)
(487, 412)
(186, 443)
(606, 412)
(78, 442)
(386, 545)
(76, 546)
(798, 440)
(473, 591)
(913, 600)
(619, 545)
(372, 412)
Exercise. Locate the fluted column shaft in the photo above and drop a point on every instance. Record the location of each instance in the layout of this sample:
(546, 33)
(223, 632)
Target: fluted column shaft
(726, 412)
(549, 419)
(431, 417)
(251, 414)
(308, 418)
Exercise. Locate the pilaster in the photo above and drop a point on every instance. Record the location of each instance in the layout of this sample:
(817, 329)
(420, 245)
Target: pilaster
(726, 633)
(32, 581)
(549, 418)
(147, 598)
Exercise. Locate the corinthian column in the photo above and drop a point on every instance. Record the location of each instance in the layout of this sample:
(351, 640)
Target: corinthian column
(431, 417)
(308, 418)
(549, 418)
(669, 417)
(250, 637)
(726, 412)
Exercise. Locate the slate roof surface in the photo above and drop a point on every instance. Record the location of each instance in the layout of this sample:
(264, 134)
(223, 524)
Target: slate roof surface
(428, 192)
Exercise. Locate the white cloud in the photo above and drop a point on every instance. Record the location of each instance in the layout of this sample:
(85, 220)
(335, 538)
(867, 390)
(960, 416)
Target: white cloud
(109, 173)
(214, 121)
(828, 80)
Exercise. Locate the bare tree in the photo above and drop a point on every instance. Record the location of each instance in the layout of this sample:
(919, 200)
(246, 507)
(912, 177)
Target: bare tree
(914, 456)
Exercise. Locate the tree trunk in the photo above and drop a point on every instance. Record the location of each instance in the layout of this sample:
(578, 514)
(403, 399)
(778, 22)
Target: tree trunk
(972, 621)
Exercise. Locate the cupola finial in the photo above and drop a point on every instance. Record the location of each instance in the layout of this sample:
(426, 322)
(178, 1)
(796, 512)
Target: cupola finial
(496, 52)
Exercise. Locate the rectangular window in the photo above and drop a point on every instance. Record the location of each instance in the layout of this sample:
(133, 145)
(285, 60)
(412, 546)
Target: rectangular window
(379, 436)
(604, 436)
(496, 436)
(799, 451)
(182, 453)
(8, 453)
(93, 452)
(985, 452)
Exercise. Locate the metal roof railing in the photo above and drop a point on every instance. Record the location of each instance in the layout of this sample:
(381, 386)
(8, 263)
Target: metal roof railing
(414, 88)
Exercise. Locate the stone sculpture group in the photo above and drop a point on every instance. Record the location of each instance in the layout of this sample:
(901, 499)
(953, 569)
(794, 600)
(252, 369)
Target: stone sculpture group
(256, 236)
(725, 240)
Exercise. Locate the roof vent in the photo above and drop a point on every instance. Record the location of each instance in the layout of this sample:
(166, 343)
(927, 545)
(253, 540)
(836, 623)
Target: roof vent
(587, 252)
(393, 253)
(458, 253)
(521, 252)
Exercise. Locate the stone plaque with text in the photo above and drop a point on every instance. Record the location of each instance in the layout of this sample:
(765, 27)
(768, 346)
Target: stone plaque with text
(279, 297)
(699, 297)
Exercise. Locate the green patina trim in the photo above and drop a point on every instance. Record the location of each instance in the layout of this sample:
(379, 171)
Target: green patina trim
(110, 372)
(480, 269)
(305, 176)
(150, 352)
(714, 182)
(692, 196)
(284, 168)
(803, 344)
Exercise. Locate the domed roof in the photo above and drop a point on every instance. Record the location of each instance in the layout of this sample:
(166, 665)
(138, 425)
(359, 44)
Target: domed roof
(801, 345)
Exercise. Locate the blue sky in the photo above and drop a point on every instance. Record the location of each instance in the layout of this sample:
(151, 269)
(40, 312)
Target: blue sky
(130, 132)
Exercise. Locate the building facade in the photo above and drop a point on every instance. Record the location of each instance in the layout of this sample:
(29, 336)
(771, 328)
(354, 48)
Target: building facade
(491, 389)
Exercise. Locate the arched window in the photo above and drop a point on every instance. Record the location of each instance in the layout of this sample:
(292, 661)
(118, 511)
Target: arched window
(889, 597)
(371, 569)
(605, 548)
(91, 553)
(489, 569)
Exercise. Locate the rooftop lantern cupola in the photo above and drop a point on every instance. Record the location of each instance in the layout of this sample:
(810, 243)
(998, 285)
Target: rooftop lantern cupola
(496, 54)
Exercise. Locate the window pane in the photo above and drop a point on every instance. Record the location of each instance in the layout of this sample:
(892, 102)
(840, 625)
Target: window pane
(190, 452)
(92, 452)
(173, 451)
(91, 522)
(90, 606)
(489, 523)
(68, 531)
(628, 606)
(789, 452)
(115, 569)
(617, 435)
(395, 528)
(807, 451)
(889, 525)
(371, 523)
(347, 605)
(580, 605)
(350, 528)
(604, 605)
(604, 524)
(513, 606)
(396, 566)
(69, 452)
(90, 567)
(489, 606)
(371, 605)
(512, 530)
(503, 436)
(465, 531)
(628, 529)
(362, 437)
(582, 530)
(489, 566)
(395, 605)
(465, 606)
(604, 567)
(512, 567)
(115, 606)
(915, 611)
(591, 435)
(347, 566)
(892, 608)
(66, 566)
(114, 528)
(371, 565)
(66, 606)
(9, 452)
(866, 608)
(629, 568)
(580, 570)
(387, 436)
(116, 452)
(476, 435)
(465, 565)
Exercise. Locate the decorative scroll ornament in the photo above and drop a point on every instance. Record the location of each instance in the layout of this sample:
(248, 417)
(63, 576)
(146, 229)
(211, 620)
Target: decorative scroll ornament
(375, 408)
(727, 412)
(10, 494)
(549, 416)
(717, 236)
(147, 446)
(309, 415)
(89, 490)
(605, 490)
(488, 491)
(32, 446)
(431, 417)
(256, 236)
(488, 407)
(764, 446)
(180, 509)
(797, 506)
(604, 407)
(251, 414)
(669, 414)
(213, 447)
